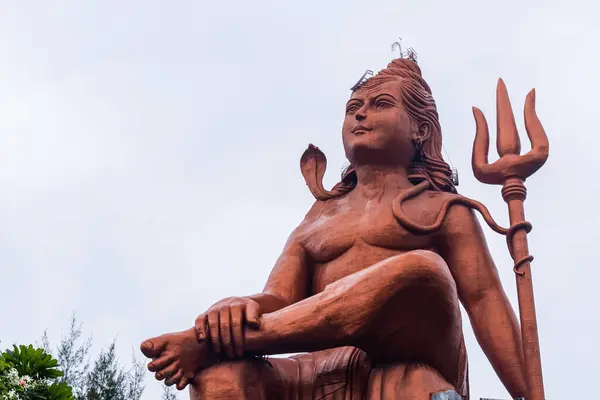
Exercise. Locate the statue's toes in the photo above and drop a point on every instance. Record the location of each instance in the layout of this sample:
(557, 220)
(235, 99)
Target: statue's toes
(184, 381)
(169, 374)
(175, 378)
(161, 363)
(153, 347)
(147, 348)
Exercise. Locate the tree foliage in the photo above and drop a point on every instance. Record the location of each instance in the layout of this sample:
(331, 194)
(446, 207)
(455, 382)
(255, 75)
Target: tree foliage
(32, 373)
(28, 373)
(105, 378)
(168, 393)
(73, 358)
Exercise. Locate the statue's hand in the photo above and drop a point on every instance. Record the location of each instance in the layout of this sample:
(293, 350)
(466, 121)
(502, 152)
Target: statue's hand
(224, 323)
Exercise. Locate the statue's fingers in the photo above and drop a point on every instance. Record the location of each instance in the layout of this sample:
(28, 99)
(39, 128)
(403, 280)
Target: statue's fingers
(161, 362)
(225, 327)
(200, 325)
(237, 321)
(253, 314)
(175, 378)
(213, 326)
(167, 372)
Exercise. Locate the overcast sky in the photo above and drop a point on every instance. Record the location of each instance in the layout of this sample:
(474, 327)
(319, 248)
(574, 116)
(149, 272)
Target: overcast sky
(149, 153)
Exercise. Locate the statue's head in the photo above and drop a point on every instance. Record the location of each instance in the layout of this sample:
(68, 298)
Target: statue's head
(392, 120)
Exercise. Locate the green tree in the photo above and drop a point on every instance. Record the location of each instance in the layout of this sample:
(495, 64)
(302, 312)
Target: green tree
(168, 393)
(104, 379)
(72, 355)
(30, 373)
(107, 380)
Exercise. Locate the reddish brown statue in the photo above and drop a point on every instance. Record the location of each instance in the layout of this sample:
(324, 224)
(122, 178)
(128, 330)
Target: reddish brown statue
(368, 286)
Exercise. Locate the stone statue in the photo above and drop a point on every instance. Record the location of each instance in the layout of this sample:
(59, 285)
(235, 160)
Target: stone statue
(368, 286)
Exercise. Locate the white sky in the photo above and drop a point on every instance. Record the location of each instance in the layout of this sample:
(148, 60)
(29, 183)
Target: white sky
(149, 153)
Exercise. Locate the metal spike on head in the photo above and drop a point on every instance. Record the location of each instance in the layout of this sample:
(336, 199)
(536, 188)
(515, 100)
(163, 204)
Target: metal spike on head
(409, 54)
(365, 77)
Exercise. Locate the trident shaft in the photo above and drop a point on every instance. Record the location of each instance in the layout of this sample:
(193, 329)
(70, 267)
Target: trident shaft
(511, 170)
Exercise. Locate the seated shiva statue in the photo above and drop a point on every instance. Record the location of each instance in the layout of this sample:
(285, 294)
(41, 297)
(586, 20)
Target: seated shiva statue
(367, 287)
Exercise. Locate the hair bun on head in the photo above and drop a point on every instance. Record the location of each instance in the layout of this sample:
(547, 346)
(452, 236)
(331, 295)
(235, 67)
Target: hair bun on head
(404, 68)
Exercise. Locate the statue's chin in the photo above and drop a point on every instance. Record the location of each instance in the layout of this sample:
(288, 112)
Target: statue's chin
(372, 153)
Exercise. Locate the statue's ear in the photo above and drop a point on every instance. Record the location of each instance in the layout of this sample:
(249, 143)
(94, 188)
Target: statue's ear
(422, 132)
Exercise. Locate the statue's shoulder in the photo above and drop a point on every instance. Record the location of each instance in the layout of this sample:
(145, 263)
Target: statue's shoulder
(324, 208)
(432, 200)
(316, 218)
(430, 208)
(454, 210)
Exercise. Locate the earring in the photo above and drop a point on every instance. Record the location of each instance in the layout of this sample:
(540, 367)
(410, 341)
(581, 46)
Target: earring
(418, 144)
(417, 163)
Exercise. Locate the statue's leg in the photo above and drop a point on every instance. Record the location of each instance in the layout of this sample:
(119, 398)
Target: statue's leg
(331, 374)
(253, 379)
(404, 307)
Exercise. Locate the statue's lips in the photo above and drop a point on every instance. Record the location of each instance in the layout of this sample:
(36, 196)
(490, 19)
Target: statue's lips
(360, 130)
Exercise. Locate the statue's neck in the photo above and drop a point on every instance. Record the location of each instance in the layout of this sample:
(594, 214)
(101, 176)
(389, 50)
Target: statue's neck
(376, 180)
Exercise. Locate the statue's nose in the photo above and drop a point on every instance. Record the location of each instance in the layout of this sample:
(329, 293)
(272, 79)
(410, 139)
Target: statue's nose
(360, 115)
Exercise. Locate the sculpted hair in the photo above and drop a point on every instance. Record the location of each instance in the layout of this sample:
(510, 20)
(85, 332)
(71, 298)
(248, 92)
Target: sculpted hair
(420, 106)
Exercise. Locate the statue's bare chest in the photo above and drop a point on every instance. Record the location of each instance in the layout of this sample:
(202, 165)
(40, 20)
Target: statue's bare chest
(334, 231)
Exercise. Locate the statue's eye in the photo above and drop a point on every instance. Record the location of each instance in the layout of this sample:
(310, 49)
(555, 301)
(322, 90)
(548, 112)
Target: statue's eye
(383, 104)
(352, 109)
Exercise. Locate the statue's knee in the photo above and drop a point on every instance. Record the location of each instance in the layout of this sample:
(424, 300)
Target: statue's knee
(425, 265)
(423, 281)
(226, 380)
(423, 277)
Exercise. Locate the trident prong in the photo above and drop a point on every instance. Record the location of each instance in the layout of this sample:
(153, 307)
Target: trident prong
(510, 163)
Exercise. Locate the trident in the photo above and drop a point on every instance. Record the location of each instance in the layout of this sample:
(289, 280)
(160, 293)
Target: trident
(511, 170)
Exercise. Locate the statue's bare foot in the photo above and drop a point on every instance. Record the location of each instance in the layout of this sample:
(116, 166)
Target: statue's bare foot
(177, 357)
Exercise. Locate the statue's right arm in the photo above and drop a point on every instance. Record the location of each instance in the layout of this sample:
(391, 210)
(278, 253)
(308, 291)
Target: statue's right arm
(289, 282)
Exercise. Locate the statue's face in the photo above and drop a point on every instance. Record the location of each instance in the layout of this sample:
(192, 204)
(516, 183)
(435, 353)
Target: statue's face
(376, 128)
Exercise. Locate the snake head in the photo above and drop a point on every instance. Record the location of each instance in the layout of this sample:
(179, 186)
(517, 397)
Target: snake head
(511, 163)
